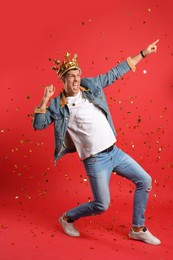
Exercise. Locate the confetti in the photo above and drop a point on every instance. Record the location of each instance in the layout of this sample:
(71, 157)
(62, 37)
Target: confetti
(3, 227)
(139, 119)
(43, 193)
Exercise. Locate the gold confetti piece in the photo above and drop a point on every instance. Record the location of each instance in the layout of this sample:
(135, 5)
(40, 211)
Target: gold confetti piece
(139, 119)
(43, 193)
(3, 227)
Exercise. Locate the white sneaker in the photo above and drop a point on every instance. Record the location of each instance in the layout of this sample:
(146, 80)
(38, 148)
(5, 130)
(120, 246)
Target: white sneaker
(144, 236)
(68, 228)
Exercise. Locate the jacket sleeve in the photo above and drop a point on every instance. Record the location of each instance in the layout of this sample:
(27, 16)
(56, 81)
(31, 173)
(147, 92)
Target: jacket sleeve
(108, 78)
(41, 121)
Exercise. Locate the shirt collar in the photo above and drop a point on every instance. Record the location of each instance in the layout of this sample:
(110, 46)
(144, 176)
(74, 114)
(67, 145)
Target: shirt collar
(63, 100)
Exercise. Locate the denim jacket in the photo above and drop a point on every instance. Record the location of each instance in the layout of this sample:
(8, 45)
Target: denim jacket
(58, 112)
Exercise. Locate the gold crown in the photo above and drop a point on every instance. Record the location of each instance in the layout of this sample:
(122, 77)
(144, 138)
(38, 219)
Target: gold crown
(66, 65)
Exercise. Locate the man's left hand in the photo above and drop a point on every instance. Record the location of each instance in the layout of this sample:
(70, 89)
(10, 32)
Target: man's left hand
(151, 48)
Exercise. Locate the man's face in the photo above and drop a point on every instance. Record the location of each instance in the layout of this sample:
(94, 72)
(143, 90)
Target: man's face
(72, 82)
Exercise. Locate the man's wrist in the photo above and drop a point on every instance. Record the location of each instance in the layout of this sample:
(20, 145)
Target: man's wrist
(143, 54)
(45, 99)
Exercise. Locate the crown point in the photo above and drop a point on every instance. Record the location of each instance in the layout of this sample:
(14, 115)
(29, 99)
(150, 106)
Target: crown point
(67, 56)
(66, 65)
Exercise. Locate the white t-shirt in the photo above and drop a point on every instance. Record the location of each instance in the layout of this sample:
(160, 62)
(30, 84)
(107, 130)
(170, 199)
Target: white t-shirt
(88, 127)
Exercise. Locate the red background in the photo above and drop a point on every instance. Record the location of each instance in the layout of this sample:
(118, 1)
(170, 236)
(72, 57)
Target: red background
(33, 191)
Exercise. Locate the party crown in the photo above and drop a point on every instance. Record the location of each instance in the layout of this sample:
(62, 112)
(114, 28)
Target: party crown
(66, 65)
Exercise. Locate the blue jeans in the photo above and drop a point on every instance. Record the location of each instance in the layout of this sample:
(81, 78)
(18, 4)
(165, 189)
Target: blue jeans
(99, 169)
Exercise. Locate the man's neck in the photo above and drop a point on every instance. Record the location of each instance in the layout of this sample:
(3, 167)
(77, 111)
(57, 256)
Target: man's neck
(71, 95)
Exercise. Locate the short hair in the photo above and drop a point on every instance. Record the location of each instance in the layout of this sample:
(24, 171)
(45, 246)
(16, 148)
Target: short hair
(65, 74)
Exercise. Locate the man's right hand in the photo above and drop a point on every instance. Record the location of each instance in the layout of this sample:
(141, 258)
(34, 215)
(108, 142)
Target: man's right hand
(49, 91)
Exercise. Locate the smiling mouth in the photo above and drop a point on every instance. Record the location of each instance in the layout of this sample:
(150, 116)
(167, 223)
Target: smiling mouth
(75, 85)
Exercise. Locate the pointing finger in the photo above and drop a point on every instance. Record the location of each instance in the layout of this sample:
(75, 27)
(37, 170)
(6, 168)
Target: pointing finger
(155, 42)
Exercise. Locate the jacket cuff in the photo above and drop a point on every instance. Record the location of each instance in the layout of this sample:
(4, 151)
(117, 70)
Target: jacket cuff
(131, 65)
(38, 110)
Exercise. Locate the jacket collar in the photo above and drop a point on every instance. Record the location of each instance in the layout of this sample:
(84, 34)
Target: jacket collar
(63, 100)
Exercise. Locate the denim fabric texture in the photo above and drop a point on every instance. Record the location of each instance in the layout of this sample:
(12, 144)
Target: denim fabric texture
(93, 91)
(99, 169)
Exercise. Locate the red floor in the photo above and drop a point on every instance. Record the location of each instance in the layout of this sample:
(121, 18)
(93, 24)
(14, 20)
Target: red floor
(29, 230)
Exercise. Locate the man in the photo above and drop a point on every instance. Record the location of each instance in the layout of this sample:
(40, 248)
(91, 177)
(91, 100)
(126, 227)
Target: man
(82, 123)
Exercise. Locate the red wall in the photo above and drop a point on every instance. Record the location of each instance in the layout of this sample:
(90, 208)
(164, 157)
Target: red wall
(102, 33)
